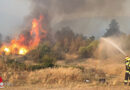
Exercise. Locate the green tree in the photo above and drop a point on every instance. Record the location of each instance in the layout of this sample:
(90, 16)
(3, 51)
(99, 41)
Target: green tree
(113, 29)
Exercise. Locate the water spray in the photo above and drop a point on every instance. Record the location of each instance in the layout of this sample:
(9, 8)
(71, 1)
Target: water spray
(114, 45)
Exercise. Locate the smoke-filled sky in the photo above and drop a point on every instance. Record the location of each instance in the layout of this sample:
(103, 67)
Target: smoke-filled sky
(90, 17)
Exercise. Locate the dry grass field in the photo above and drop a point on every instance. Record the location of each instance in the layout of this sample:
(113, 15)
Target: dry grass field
(69, 77)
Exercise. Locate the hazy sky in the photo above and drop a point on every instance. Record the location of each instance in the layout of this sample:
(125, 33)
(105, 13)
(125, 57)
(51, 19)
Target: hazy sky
(12, 13)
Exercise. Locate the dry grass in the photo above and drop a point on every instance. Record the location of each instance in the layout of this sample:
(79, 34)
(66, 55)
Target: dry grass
(66, 88)
(46, 77)
(71, 56)
(113, 72)
(55, 76)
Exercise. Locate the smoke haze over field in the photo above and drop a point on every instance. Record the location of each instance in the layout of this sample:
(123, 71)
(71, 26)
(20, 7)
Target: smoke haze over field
(90, 17)
(69, 10)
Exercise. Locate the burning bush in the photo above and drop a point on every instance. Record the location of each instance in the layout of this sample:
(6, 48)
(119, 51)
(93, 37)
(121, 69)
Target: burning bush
(25, 42)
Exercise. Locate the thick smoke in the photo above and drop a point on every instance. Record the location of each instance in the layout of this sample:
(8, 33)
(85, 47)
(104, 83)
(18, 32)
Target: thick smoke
(56, 11)
(80, 15)
(90, 7)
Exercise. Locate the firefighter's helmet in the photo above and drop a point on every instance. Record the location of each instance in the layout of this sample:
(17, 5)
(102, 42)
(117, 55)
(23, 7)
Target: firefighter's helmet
(127, 58)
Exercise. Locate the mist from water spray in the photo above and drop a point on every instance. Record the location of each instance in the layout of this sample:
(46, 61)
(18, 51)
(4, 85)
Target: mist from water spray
(114, 45)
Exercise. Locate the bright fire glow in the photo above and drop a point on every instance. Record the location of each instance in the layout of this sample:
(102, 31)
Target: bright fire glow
(23, 51)
(26, 42)
(6, 50)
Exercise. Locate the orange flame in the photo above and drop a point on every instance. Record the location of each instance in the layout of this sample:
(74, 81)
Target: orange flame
(18, 46)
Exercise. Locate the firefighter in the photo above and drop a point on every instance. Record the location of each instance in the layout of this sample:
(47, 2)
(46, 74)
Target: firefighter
(127, 73)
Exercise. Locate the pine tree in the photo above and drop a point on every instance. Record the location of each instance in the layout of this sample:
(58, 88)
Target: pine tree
(113, 29)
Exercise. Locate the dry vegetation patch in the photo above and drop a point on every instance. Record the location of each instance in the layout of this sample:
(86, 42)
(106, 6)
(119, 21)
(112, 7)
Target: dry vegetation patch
(55, 76)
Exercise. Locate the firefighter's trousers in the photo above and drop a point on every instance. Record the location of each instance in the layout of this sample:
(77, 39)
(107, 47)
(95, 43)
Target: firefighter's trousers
(127, 76)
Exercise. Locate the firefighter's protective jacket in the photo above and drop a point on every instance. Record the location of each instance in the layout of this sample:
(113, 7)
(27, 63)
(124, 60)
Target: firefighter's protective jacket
(127, 63)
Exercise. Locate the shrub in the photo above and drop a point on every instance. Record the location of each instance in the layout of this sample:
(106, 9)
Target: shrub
(15, 65)
(83, 52)
(43, 50)
(48, 61)
(38, 53)
(35, 67)
(88, 50)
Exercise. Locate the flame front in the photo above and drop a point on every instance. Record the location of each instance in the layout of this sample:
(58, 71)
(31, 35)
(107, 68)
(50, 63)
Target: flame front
(22, 45)
(23, 51)
(7, 50)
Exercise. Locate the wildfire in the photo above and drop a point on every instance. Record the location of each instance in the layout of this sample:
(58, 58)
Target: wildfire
(23, 44)
(23, 51)
(6, 50)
